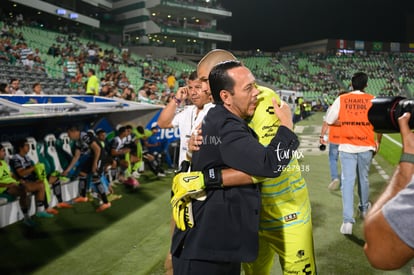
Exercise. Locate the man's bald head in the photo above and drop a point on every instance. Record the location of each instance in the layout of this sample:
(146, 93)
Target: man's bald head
(210, 60)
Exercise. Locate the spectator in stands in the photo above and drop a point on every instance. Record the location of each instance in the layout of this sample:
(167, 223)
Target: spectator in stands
(52, 50)
(171, 82)
(69, 68)
(92, 55)
(9, 186)
(123, 81)
(144, 92)
(37, 89)
(92, 86)
(107, 90)
(4, 88)
(38, 65)
(128, 94)
(14, 87)
(4, 56)
(73, 85)
(91, 157)
(25, 170)
(5, 30)
(28, 62)
(24, 52)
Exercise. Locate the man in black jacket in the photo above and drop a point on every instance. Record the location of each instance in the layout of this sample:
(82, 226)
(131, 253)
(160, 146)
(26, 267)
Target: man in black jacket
(226, 222)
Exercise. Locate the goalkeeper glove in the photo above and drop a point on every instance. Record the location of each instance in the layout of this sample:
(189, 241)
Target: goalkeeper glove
(192, 184)
(183, 215)
(187, 186)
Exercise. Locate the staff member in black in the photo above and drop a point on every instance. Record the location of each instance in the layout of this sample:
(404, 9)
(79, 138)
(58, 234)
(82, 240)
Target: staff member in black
(226, 222)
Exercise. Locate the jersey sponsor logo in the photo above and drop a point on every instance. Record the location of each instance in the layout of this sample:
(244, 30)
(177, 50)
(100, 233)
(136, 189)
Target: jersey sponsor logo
(290, 217)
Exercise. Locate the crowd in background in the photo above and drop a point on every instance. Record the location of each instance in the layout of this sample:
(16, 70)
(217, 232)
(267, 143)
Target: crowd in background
(315, 74)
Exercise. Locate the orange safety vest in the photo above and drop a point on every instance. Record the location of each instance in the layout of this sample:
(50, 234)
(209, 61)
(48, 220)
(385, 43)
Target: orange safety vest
(353, 115)
(335, 134)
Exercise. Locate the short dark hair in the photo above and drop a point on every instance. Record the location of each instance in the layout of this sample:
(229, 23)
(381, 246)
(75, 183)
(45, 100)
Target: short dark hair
(35, 84)
(13, 79)
(100, 130)
(20, 143)
(193, 76)
(3, 87)
(72, 128)
(140, 129)
(359, 81)
(121, 130)
(219, 79)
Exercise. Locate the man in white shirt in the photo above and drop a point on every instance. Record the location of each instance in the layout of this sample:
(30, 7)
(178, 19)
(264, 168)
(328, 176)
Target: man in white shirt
(14, 87)
(190, 116)
(357, 147)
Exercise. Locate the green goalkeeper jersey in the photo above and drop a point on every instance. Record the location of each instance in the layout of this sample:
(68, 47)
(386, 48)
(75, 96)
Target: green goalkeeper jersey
(5, 175)
(285, 200)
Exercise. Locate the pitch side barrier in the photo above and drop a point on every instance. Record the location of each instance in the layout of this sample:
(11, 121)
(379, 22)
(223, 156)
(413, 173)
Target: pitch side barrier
(49, 115)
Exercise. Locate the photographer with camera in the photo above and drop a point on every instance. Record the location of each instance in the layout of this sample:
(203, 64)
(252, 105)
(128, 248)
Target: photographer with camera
(388, 225)
(357, 146)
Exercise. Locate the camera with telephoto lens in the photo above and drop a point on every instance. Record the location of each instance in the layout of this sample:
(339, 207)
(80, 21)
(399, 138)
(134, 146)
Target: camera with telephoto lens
(385, 111)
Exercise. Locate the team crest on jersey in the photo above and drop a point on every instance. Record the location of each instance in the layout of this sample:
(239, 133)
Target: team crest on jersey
(290, 217)
(270, 110)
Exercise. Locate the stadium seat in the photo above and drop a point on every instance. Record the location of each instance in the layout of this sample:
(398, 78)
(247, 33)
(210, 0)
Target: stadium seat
(33, 152)
(9, 150)
(66, 143)
(51, 153)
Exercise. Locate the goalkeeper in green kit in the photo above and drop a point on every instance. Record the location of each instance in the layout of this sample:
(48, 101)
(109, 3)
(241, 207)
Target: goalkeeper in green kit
(285, 217)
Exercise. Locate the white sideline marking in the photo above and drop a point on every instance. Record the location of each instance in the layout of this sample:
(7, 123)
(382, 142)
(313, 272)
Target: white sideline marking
(380, 170)
(392, 140)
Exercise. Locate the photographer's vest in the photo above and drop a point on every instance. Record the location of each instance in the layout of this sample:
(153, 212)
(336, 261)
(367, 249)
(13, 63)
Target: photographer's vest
(353, 115)
(335, 134)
